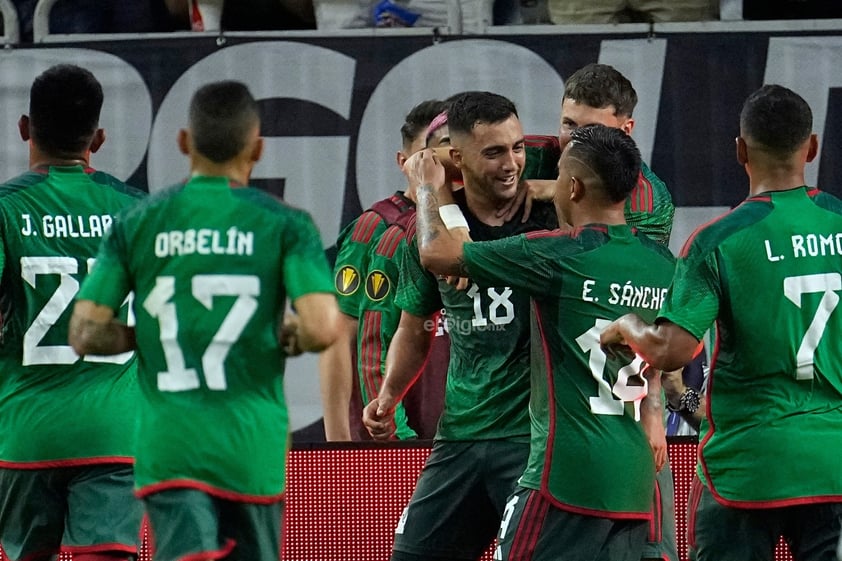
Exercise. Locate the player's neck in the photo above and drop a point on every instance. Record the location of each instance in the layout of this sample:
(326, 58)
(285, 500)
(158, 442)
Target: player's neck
(598, 215)
(483, 207)
(233, 169)
(39, 159)
(775, 180)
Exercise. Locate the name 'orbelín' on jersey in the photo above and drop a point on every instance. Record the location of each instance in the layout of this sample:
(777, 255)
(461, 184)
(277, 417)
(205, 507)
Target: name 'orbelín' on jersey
(66, 225)
(808, 245)
(647, 297)
(204, 241)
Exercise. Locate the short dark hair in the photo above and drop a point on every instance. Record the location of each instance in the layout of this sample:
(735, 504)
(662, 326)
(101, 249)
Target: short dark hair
(221, 116)
(419, 118)
(64, 106)
(611, 154)
(468, 109)
(778, 118)
(599, 86)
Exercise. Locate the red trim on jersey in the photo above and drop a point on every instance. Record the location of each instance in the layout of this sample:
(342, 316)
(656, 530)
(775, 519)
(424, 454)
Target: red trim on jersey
(541, 141)
(71, 462)
(695, 496)
(774, 503)
(812, 191)
(99, 548)
(370, 350)
(557, 233)
(642, 196)
(390, 241)
(209, 489)
(686, 247)
(529, 527)
(411, 226)
(366, 224)
(218, 554)
(655, 524)
(548, 457)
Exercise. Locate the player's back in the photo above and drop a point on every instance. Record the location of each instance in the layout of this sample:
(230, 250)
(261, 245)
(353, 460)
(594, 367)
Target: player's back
(777, 367)
(53, 220)
(212, 263)
(584, 404)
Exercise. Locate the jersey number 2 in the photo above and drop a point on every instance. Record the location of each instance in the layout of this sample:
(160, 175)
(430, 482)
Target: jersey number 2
(177, 377)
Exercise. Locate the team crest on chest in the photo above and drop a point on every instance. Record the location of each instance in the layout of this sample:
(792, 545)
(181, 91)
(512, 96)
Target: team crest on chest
(377, 285)
(347, 280)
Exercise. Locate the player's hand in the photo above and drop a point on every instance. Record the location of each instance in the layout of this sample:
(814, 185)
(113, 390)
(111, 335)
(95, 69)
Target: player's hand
(288, 335)
(424, 168)
(652, 421)
(613, 342)
(528, 192)
(379, 419)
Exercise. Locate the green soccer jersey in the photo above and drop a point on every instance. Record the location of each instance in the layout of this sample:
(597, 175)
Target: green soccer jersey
(487, 389)
(354, 245)
(648, 208)
(211, 267)
(55, 408)
(769, 273)
(588, 453)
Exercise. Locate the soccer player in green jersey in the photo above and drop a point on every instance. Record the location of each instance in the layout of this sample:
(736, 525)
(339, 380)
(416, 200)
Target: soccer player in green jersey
(584, 408)
(600, 94)
(67, 423)
(483, 437)
(211, 262)
(769, 274)
(355, 281)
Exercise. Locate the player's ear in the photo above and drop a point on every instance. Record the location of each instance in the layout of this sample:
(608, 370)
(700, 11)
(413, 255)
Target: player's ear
(184, 141)
(814, 147)
(742, 151)
(628, 126)
(400, 159)
(98, 140)
(577, 189)
(23, 128)
(456, 157)
(257, 150)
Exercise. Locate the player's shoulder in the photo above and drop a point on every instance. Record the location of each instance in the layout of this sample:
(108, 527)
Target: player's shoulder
(20, 183)
(656, 247)
(825, 200)
(107, 180)
(712, 234)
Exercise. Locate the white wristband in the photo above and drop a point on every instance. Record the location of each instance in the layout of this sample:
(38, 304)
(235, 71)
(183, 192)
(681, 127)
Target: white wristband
(452, 217)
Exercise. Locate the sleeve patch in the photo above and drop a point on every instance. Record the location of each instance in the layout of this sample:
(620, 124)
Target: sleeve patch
(347, 280)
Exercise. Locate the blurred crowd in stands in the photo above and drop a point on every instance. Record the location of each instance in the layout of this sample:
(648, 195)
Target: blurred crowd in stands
(138, 16)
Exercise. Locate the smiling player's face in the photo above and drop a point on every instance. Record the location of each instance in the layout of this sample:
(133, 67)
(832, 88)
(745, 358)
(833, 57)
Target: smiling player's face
(492, 158)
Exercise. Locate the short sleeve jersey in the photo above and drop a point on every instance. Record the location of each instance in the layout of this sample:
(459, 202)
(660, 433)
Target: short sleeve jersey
(770, 274)
(584, 405)
(55, 408)
(354, 246)
(487, 388)
(649, 207)
(211, 267)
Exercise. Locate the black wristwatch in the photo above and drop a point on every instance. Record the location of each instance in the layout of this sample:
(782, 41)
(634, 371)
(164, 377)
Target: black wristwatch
(687, 403)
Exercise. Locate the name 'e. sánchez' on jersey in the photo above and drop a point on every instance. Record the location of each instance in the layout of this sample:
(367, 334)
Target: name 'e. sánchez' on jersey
(805, 245)
(65, 225)
(204, 241)
(625, 294)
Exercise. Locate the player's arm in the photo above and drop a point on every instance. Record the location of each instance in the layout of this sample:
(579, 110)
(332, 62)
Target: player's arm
(439, 247)
(336, 379)
(316, 326)
(404, 362)
(652, 417)
(664, 345)
(94, 330)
